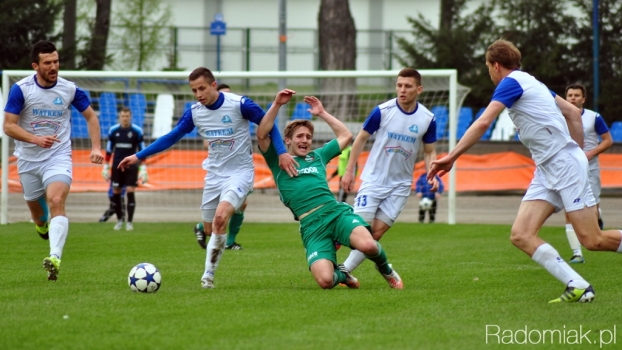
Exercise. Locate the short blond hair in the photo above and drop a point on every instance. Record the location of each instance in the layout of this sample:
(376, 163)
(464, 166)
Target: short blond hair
(505, 53)
(291, 127)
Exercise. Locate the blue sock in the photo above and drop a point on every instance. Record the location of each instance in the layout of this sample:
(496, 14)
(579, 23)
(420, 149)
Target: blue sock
(46, 211)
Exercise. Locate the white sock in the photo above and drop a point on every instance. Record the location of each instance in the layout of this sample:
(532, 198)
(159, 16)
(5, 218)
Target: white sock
(355, 259)
(549, 258)
(573, 241)
(620, 247)
(215, 247)
(59, 227)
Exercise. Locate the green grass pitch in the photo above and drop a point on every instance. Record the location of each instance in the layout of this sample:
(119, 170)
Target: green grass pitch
(460, 282)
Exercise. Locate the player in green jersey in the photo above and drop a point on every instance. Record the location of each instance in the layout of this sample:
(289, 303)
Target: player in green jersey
(323, 220)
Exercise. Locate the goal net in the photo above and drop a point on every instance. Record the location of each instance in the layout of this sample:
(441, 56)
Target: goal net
(158, 99)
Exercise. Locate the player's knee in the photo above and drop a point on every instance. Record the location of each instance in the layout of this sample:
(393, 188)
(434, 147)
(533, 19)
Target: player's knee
(368, 247)
(518, 237)
(325, 283)
(592, 242)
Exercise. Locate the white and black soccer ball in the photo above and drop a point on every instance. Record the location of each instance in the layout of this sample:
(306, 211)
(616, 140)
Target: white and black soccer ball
(425, 203)
(144, 278)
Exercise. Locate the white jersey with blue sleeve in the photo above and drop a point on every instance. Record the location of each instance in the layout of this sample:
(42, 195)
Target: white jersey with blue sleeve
(44, 111)
(227, 133)
(225, 126)
(534, 112)
(391, 161)
(593, 127)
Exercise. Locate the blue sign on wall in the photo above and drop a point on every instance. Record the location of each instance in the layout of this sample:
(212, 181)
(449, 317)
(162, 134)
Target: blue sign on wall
(218, 26)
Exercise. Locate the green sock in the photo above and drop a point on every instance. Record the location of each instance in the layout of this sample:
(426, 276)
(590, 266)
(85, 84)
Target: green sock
(234, 227)
(338, 277)
(381, 260)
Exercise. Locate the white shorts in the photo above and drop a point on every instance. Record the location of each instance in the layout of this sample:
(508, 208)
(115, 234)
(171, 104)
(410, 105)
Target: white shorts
(563, 181)
(376, 199)
(233, 189)
(595, 183)
(33, 175)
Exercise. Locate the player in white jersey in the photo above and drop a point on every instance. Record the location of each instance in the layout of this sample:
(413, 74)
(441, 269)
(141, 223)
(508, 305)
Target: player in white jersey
(595, 129)
(221, 118)
(38, 116)
(551, 128)
(401, 125)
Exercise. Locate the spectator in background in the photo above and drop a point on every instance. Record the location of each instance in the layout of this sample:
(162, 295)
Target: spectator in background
(424, 190)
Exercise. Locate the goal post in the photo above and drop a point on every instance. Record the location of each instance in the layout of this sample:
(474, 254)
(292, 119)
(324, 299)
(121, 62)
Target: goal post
(158, 99)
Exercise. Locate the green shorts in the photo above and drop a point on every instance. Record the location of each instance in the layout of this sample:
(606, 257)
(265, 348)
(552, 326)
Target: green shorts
(332, 223)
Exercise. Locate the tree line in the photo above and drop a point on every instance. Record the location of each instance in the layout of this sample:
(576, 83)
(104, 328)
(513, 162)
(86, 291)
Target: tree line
(556, 47)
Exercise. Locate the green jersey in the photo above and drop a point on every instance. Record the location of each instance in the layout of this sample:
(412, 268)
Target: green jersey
(309, 189)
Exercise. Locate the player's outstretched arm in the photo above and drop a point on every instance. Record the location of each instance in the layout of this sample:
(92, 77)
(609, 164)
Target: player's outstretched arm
(344, 136)
(92, 124)
(267, 122)
(473, 134)
(347, 181)
(127, 162)
(573, 119)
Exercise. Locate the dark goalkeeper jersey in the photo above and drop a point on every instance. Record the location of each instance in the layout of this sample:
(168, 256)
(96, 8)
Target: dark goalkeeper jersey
(123, 142)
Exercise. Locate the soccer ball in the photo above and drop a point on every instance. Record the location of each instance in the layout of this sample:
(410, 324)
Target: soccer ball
(144, 278)
(425, 203)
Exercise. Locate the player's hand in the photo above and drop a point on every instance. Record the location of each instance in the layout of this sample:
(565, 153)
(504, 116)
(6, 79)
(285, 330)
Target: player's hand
(284, 96)
(347, 181)
(434, 183)
(287, 163)
(142, 174)
(96, 156)
(46, 141)
(127, 162)
(316, 105)
(440, 167)
(106, 172)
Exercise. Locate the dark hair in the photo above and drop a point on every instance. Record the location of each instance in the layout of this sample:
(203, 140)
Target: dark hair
(576, 87)
(126, 109)
(42, 46)
(222, 86)
(411, 73)
(505, 53)
(291, 127)
(202, 72)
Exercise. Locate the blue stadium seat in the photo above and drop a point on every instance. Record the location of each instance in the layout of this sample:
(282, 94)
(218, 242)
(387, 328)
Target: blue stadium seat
(300, 111)
(442, 118)
(138, 106)
(465, 118)
(107, 111)
(616, 131)
(79, 129)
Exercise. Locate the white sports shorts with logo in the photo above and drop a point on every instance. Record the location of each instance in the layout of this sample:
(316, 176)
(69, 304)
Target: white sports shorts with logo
(372, 198)
(563, 181)
(233, 189)
(33, 175)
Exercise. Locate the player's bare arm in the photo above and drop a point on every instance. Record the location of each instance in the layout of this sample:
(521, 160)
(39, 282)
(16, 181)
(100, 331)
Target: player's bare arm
(429, 155)
(573, 119)
(607, 141)
(473, 134)
(344, 136)
(92, 123)
(12, 129)
(347, 182)
(267, 122)
(127, 162)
